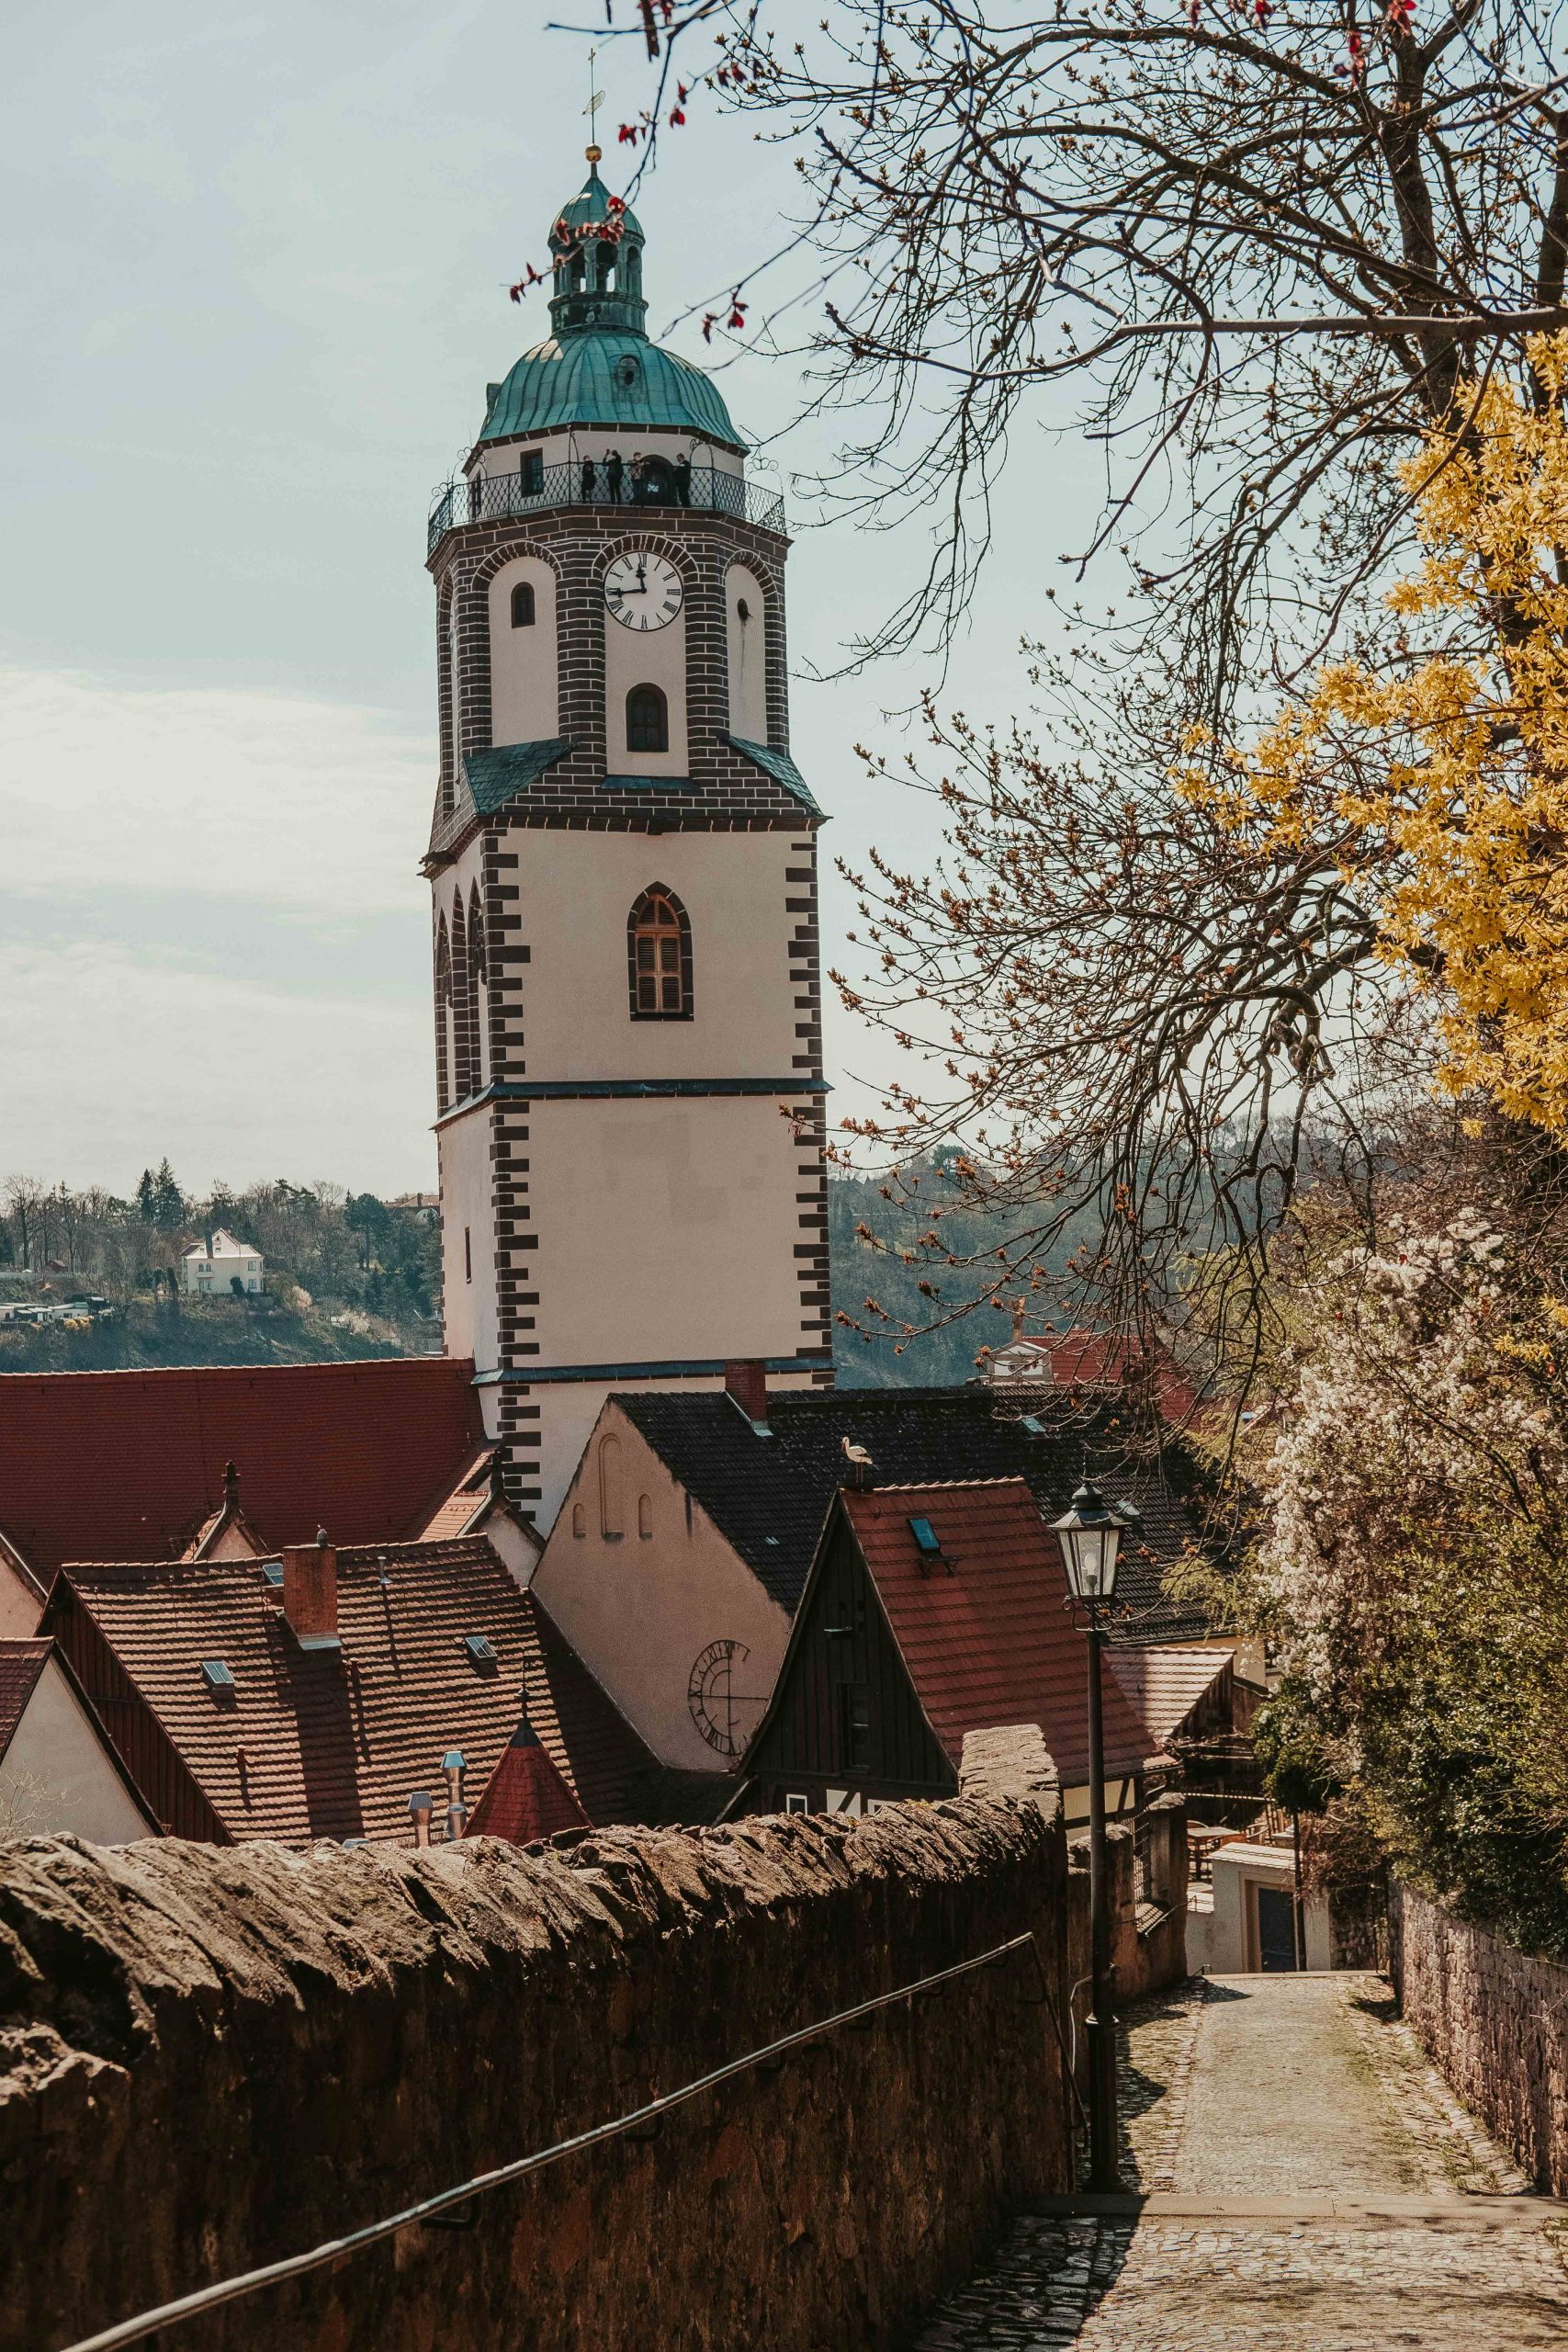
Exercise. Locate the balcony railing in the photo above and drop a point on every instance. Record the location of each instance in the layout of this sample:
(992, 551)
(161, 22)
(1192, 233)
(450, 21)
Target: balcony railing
(492, 498)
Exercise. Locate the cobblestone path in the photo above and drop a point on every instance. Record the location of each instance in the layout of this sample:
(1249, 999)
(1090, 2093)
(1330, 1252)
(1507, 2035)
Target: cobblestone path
(1310, 2184)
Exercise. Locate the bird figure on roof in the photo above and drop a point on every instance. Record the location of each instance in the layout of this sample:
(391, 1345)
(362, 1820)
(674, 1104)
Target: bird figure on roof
(861, 1465)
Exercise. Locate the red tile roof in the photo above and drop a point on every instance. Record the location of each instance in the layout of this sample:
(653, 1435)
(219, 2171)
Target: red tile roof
(330, 1744)
(1081, 1359)
(1167, 1685)
(525, 1797)
(21, 1662)
(129, 1465)
(990, 1639)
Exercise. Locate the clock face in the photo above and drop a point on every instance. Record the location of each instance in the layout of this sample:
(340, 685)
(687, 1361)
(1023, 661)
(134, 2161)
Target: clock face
(723, 1711)
(643, 591)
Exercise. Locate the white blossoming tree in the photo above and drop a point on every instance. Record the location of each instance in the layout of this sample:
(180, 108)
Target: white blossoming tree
(1414, 1568)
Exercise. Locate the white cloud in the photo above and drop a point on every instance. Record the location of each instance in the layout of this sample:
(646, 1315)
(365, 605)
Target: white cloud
(222, 792)
(107, 1059)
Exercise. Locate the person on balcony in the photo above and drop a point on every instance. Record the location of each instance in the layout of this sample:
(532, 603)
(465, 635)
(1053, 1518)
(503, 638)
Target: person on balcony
(614, 470)
(639, 477)
(588, 479)
(682, 472)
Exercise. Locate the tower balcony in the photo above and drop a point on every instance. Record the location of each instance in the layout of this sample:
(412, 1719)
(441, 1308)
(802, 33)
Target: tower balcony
(493, 497)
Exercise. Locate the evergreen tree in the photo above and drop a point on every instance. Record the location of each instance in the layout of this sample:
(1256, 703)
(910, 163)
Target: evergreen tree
(168, 1201)
(147, 1197)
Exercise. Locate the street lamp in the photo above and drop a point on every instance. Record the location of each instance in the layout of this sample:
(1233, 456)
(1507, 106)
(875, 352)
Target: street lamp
(1090, 1536)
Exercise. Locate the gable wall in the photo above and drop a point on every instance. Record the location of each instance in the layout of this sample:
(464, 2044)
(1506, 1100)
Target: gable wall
(804, 1749)
(640, 1610)
(55, 1776)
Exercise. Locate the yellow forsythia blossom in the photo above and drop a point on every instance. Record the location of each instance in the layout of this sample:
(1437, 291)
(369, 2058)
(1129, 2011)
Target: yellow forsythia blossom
(1441, 786)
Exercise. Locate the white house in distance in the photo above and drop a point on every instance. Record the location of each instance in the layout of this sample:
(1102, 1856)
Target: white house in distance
(210, 1267)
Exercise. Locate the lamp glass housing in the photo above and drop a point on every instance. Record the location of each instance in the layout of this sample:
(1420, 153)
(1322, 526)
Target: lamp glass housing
(1090, 1537)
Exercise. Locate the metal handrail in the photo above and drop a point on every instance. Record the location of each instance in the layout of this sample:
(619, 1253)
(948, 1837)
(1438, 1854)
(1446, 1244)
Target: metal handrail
(296, 2266)
(488, 498)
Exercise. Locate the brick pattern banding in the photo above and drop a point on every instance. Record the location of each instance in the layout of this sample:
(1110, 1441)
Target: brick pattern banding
(482, 955)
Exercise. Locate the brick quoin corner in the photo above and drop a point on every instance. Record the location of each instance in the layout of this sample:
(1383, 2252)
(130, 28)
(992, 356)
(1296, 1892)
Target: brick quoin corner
(214, 2058)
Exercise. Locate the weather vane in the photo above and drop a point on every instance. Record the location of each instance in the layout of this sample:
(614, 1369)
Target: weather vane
(595, 100)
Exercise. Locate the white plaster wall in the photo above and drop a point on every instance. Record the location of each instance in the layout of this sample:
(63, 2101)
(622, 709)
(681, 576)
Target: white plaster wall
(666, 1229)
(640, 1611)
(576, 891)
(523, 701)
(466, 1200)
(56, 1777)
(654, 657)
(748, 671)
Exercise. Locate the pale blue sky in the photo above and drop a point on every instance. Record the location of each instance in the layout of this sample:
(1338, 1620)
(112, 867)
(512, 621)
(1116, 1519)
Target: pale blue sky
(254, 284)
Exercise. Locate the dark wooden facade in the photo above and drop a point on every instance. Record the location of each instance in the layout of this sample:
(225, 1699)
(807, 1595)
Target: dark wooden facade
(845, 1721)
(139, 1740)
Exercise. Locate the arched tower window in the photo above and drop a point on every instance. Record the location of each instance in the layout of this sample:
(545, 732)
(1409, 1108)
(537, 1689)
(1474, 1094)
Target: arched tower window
(647, 719)
(522, 604)
(443, 1021)
(659, 957)
(478, 1006)
(462, 1024)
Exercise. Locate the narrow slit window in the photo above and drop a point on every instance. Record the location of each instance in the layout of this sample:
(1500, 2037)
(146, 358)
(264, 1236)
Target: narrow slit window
(522, 604)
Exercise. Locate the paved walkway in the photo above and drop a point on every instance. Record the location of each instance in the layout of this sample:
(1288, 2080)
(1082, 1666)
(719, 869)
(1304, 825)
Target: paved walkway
(1308, 2184)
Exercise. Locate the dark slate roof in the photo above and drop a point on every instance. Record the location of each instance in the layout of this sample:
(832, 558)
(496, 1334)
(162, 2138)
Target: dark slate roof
(768, 1496)
(499, 774)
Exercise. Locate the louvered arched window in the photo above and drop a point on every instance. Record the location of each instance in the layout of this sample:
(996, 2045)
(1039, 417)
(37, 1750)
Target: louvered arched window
(658, 955)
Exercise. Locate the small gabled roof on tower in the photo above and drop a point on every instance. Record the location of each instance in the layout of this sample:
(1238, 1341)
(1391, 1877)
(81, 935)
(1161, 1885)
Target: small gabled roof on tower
(524, 1796)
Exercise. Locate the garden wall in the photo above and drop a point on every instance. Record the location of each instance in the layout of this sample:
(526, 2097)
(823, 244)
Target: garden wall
(1495, 2022)
(211, 2058)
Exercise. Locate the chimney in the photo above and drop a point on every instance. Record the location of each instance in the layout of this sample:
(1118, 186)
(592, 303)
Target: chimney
(419, 1813)
(309, 1593)
(454, 1764)
(748, 1384)
(230, 1487)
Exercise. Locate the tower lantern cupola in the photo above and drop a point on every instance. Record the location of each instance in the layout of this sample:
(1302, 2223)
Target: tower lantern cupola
(596, 241)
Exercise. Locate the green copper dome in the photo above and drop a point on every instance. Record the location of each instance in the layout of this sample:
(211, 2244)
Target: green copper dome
(598, 366)
(621, 380)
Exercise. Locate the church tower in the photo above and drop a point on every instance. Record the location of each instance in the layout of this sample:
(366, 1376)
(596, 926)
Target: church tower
(629, 1089)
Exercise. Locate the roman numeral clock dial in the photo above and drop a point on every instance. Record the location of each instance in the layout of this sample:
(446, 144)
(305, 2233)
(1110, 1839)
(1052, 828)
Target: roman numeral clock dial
(643, 591)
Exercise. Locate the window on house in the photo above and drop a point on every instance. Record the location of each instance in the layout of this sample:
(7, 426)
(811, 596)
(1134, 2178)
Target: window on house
(854, 1724)
(644, 1516)
(578, 1520)
(796, 1804)
(660, 947)
(531, 474)
(522, 604)
(467, 1255)
(647, 721)
(609, 1485)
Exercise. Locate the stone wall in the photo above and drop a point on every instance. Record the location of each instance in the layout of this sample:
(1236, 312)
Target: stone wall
(1495, 2022)
(211, 2058)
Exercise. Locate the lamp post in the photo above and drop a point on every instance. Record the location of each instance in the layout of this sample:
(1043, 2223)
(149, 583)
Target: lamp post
(1090, 1536)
